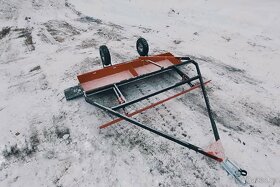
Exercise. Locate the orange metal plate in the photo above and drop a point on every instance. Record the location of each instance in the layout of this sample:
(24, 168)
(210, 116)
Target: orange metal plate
(124, 71)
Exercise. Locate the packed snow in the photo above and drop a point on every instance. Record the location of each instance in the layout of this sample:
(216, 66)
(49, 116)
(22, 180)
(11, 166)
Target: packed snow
(48, 141)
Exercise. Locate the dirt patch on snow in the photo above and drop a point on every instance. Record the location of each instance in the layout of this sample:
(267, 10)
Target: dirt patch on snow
(5, 31)
(29, 148)
(274, 120)
(88, 19)
(61, 30)
(26, 33)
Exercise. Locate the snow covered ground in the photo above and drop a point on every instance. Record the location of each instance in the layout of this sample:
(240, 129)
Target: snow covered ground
(47, 141)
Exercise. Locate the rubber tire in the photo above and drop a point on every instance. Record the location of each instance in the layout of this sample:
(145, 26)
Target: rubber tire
(142, 47)
(105, 55)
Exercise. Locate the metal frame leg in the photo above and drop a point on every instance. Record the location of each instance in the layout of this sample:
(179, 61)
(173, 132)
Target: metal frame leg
(213, 124)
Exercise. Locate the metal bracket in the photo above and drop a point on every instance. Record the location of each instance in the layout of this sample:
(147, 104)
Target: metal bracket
(73, 92)
(233, 170)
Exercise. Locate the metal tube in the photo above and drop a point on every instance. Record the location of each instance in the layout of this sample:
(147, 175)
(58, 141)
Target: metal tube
(152, 62)
(213, 124)
(119, 93)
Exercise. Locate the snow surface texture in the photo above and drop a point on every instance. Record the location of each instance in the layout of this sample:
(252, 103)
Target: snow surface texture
(47, 141)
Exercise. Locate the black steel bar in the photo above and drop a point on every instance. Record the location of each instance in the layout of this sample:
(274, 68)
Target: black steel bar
(155, 93)
(213, 124)
(138, 78)
(162, 134)
(183, 58)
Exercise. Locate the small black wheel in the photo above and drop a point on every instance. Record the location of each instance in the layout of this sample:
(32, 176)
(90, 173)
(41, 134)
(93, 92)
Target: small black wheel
(142, 47)
(105, 55)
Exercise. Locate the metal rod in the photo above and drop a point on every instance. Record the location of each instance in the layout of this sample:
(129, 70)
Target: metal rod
(120, 100)
(155, 93)
(119, 93)
(154, 63)
(116, 93)
(213, 124)
(183, 58)
(162, 134)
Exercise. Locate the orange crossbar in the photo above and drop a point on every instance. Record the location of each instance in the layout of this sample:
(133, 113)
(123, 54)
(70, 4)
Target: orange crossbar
(150, 106)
